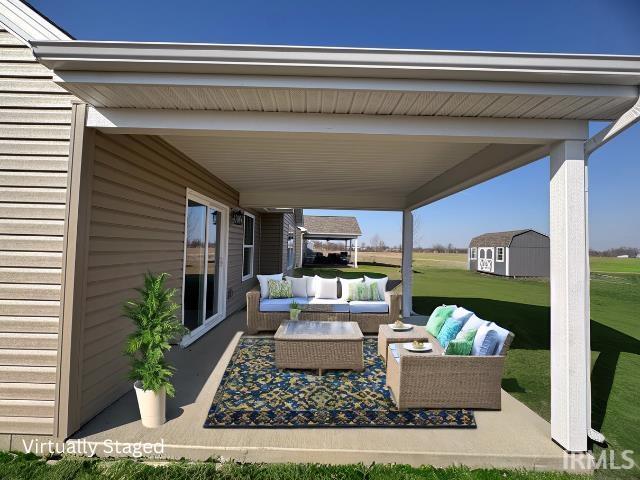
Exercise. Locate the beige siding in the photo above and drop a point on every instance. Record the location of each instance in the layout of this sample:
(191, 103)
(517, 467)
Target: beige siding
(35, 117)
(137, 214)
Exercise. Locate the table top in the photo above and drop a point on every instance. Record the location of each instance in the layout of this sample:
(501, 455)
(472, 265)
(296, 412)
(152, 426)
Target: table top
(416, 333)
(318, 330)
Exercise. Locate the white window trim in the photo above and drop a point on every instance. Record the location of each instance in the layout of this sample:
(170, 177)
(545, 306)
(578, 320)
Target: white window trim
(211, 322)
(473, 254)
(253, 248)
(499, 258)
(293, 251)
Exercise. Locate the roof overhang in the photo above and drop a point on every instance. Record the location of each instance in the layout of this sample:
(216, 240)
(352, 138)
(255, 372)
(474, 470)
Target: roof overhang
(319, 127)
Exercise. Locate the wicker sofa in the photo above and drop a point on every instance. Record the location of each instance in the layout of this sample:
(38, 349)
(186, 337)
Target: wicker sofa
(419, 380)
(262, 321)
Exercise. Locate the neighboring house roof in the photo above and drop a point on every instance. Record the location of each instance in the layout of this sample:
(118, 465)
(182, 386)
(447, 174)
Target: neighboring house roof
(331, 226)
(498, 239)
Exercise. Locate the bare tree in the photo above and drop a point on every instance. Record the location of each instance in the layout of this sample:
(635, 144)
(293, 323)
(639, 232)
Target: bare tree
(438, 248)
(375, 242)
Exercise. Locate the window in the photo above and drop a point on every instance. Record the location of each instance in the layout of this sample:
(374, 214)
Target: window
(248, 246)
(473, 253)
(291, 252)
(500, 254)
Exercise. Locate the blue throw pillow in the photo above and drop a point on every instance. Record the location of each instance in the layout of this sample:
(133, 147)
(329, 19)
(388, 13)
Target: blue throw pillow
(449, 330)
(489, 344)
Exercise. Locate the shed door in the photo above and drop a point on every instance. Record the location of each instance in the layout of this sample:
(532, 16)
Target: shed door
(485, 259)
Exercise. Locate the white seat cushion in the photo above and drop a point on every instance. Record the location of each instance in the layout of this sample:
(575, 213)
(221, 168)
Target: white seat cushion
(280, 304)
(358, 306)
(339, 306)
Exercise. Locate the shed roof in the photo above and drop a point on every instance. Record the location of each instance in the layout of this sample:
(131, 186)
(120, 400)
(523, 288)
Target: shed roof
(498, 239)
(332, 226)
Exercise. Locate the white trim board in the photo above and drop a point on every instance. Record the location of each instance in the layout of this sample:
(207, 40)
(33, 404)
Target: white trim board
(27, 24)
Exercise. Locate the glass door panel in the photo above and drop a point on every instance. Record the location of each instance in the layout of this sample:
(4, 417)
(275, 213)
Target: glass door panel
(194, 272)
(213, 241)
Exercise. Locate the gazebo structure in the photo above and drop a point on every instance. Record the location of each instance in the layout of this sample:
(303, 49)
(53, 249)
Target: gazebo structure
(330, 228)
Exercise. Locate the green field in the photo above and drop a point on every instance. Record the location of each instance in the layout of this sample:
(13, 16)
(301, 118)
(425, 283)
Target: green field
(522, 306)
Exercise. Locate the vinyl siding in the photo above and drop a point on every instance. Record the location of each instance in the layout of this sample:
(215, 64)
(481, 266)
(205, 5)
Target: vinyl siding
(275, 229)
(137, 215)
(35, 117)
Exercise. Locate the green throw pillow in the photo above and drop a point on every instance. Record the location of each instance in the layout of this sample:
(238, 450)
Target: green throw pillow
(363, 292)
(459, 347)
(374, 292)
(279, 289)
(438, 317)
(468, 335)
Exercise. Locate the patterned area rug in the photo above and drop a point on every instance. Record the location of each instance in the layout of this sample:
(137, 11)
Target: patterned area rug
(254, 393)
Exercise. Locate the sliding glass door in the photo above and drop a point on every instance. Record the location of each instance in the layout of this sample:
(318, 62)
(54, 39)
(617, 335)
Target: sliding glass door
(204, 266)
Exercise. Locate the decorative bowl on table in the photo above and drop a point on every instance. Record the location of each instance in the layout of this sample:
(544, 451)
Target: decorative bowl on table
(417, 346)
(400, 326)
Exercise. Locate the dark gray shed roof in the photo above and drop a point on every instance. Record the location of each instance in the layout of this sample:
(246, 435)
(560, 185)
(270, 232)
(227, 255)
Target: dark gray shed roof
(332, 225)
(497, 239)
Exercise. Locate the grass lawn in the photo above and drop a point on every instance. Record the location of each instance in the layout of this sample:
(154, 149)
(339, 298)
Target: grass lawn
(26, 467)
(523, 307)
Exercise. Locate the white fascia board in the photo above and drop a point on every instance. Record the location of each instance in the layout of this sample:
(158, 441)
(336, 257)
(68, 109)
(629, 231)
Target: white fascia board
(89, 78)
(27, 24)
(332, 61)
(207, 122)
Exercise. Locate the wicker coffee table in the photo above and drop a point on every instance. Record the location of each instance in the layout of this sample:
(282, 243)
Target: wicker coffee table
(386, 336)
(319, 345)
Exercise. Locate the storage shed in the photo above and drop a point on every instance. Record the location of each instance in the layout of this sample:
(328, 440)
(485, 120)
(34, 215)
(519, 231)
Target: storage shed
(517, 253)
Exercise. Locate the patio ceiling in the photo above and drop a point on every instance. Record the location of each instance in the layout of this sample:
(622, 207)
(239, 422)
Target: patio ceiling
(344, 127)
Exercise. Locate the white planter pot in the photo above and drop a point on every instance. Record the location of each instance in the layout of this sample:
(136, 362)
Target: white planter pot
(153, 405)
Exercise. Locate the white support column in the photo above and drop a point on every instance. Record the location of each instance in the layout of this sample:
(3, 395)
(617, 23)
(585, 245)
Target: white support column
(570, 339)
(355, 254)
(407, 257)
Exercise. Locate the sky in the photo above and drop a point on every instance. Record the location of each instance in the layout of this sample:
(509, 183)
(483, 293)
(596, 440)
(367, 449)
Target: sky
(519, 199)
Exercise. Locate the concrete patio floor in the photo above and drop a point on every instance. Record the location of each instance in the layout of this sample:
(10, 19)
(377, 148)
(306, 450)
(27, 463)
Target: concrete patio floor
(513, 437)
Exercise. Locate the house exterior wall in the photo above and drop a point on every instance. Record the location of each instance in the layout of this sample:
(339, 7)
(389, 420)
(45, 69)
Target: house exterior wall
(275, 230)
(137, 224)
(35, 116)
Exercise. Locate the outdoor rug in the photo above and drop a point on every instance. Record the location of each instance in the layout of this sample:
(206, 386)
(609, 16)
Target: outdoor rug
(254, 393)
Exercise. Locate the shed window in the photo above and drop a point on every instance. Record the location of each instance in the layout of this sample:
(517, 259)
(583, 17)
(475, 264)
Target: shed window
(473, 253)
(248, 246)
(500, 254)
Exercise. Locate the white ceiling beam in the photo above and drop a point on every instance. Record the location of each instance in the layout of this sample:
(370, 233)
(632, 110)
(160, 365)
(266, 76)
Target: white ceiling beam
(626, 120)
(458, 129)
(304, 198)
(177, 80)
(488, 163)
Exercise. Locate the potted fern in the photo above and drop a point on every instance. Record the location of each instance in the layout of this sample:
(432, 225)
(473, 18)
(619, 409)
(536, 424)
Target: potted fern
(154, 316)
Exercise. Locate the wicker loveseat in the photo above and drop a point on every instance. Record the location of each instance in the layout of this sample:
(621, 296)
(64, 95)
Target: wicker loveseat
(268, 321)
(419, 380)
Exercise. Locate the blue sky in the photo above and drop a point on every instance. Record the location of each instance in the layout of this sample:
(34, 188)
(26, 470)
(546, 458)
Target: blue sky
(515, 200)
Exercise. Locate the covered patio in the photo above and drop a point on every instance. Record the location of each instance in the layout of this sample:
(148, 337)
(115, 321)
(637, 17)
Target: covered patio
(407, 128)
(514, 437)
